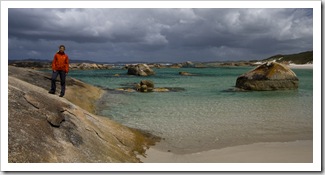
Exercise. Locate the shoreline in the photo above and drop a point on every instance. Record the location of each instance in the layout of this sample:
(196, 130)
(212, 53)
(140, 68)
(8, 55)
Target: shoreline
(300, 151)
(300, 66)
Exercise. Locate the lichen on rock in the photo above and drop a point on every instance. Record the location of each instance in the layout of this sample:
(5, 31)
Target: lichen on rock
(268, 76)
(45, 128)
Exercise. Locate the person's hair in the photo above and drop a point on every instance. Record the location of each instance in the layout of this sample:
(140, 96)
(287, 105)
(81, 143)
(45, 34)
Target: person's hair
(62, 46)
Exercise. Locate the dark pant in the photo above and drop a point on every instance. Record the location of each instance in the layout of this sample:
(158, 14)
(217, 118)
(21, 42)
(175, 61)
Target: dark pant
(62, 79)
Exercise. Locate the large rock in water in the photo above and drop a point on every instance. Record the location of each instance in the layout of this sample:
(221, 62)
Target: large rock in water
(268, 76)
(140, 70)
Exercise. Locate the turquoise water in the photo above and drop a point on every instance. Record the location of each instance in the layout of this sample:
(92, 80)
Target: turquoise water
(206, 114)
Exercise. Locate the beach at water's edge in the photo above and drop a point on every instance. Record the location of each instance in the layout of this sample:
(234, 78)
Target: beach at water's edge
(266, 152)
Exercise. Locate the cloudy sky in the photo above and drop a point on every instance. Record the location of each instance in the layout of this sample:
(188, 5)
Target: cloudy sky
(159, 35)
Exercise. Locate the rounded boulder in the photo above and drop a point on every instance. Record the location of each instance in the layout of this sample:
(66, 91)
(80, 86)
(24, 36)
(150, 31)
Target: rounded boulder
(268, 76)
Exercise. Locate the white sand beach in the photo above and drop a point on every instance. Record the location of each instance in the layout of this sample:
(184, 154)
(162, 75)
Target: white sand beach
(273, 152)
(300, 66)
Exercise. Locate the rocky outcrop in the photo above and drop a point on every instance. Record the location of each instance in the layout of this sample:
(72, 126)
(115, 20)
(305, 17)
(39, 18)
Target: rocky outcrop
(268, 76)
(140, 70)
(148, 83)
(148, 86)
(188, 64)
(145, 86)
(47, 128)
(77, 92)
(235, 64)
(175, 66)
(89, 66)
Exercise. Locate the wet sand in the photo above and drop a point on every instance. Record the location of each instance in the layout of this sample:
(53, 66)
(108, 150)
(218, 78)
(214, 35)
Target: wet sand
(273, 152)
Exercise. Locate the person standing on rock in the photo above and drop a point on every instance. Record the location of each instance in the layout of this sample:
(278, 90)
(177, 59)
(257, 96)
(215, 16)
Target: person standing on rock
(60, 66)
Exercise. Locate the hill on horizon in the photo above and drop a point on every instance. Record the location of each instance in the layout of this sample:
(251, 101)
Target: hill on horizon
(297, 58)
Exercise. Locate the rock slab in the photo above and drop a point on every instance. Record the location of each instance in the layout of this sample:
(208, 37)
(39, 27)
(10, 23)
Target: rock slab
(45, 128)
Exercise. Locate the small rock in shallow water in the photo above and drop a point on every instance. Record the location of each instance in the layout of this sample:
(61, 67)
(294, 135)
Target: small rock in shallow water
(184, 73)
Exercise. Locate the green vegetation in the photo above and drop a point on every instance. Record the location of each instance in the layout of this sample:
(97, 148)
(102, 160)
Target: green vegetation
(299, 58)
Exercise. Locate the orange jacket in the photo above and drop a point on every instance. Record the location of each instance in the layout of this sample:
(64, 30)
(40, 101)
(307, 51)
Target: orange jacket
(60, 62)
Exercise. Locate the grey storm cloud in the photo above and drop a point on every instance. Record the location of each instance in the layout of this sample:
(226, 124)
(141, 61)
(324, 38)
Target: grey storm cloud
(159, 34)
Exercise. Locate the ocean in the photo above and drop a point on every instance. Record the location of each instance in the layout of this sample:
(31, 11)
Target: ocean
(203, 112)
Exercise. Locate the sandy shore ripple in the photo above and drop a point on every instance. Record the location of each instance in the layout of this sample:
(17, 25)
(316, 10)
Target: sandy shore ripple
(273, 152)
